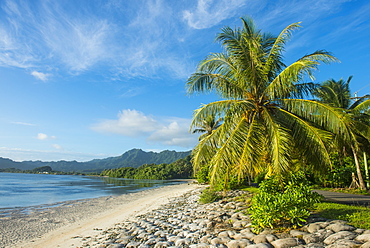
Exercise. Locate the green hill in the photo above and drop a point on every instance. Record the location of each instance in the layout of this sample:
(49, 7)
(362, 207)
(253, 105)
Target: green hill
(132, 158)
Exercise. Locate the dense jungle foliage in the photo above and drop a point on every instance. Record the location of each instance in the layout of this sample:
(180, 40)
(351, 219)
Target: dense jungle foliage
(180, 169)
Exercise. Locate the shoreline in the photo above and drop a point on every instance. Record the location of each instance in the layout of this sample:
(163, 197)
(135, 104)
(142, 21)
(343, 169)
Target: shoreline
(55, 226)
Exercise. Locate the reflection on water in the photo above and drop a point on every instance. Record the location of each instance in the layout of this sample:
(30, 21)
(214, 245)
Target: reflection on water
(20, 190)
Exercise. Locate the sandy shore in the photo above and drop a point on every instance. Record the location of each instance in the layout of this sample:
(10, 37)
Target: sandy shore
(60, 225)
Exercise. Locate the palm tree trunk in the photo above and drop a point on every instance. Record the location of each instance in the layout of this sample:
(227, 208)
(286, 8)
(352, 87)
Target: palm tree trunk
(358, 169)
(366, 170)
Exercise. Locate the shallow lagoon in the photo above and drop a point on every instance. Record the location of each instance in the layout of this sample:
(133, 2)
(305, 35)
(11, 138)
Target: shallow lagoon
(22, 190)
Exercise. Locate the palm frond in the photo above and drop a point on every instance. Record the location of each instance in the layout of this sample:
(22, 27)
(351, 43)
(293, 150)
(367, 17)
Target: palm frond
(280, 143)
(229, 152)
(283, 84)
(220, 108)
(326, 117)
(362, 105)
(314, 143)
(274, 57)
(251, 158)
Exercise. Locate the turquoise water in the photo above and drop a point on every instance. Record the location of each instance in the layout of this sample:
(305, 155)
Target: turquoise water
(22, 190)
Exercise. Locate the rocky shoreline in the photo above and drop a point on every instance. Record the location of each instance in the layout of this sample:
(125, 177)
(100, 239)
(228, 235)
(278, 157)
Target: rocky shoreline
(183, 222)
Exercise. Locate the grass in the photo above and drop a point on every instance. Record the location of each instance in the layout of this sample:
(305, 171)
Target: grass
(357, 216)
(346, 190)
(253, 190)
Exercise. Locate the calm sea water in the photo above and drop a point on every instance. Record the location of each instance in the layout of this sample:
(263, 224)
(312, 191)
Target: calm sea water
(22, 190)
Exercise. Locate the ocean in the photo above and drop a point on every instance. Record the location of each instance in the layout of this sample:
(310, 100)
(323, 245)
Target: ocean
(23, 190)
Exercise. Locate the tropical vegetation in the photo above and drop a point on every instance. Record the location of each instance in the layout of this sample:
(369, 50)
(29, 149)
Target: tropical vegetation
(270, 125)
(337, 94)
(180, 169)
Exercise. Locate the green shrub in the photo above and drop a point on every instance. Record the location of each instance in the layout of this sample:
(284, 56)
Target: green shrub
(282, 203)
(209, 195)
(202, 174)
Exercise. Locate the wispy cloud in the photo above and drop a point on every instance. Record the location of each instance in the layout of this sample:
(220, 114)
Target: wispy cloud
(42, 136)
(51, 32)
(209, 13)
(132, 123)
(23, 123)
(40, 75)
(58, 147)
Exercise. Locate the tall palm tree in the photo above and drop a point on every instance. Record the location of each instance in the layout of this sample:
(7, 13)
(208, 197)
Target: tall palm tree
(207, 126)
(338, 94)
(267, 121)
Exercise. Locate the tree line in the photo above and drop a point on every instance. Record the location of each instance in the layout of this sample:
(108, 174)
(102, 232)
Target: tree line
(180, 169)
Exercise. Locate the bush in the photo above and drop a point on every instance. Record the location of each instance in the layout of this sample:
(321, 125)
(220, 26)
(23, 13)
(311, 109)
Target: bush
(282, 203)
(209, 195)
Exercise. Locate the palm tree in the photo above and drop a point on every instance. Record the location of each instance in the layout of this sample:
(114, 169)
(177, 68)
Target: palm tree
(338, 94)
(207, 126)
(266, 120)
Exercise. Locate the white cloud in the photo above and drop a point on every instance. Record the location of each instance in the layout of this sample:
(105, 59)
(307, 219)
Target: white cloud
(129, 123)
(132, 123)
(209, 13)
(176, 133)
(58, 147)
(42, 136)
(39, 75)
(23, 123)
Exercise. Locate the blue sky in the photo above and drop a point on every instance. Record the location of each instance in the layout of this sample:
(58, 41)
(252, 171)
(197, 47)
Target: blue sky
(91, 79)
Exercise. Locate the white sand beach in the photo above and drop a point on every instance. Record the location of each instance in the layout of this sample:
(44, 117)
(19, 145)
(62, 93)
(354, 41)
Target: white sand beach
(62, 225)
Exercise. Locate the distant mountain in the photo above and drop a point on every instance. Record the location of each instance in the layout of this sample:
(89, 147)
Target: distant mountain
(132, 158)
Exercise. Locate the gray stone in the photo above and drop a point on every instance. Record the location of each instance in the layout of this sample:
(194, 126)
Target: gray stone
(363, 238)
(337, 227)
(260, 238)
(133, 244)
(315, 245)
(248, 235)
(297, 233)
(142, 246)
(182, 242)
(234, 244)
(271, 238)
(116, 246)
(239, 236)
(201, 245)
(359, 231)
(205, 239)
(216, 241)
(312, 238)
(242, 243)
(314, 227)
(285, 243)
(343, 243)
(260, 245)
(224, 234)
(365, 245)
(339, 235)
(162, 245)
